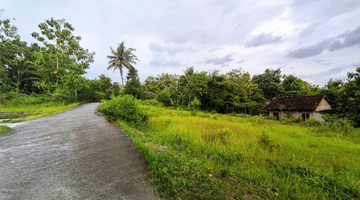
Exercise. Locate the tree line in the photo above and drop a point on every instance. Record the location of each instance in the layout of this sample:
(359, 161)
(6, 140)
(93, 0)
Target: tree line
(236, 91)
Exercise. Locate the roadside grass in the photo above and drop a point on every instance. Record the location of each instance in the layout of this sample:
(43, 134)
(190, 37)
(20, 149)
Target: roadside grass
(197, 155)
(4, 129)
(33, 111)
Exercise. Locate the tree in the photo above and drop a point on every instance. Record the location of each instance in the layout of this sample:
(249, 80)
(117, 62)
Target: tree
(122, 57)
(351, 97)
(294, 86)
(11, 49)
(61, 60)
(334, 92)
(270, 83)
(133, 86)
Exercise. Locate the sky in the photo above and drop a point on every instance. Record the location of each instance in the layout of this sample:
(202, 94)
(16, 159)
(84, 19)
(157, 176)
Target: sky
(314, 40)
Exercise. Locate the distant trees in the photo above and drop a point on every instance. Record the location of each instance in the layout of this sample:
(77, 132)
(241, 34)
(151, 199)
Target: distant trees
(269, 83)
(120, 58)
(236, 91)
(231, 92)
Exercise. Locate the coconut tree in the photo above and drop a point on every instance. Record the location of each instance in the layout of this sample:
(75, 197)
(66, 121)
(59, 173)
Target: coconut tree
(120, 58)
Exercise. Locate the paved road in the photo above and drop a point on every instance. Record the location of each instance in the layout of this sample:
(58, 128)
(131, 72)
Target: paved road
(72, 155)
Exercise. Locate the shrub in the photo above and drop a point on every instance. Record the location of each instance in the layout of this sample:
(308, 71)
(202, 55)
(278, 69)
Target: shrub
(164, 97)
(124, 108)
(195, 104)
(271, 117)
(313, 122)
(297, 120)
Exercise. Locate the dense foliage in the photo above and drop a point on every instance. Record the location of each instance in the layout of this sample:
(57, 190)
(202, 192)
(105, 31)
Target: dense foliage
(53, 67)
(125, 108)
(133, 86)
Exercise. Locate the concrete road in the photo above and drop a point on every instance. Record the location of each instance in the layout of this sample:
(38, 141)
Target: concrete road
(72, 155)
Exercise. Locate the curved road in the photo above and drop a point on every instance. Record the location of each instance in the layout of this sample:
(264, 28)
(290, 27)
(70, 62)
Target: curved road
(72, 155)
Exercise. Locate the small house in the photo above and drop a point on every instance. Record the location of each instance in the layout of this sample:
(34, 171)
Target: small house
(305, 107)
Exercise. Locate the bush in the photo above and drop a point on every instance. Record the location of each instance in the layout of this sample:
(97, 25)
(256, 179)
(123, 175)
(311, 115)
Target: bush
(313, 122)
(271, 117)
(124, 108)
(297, 120)
(164, 97)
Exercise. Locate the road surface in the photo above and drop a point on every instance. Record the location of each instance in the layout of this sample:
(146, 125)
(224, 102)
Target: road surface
(73, 155)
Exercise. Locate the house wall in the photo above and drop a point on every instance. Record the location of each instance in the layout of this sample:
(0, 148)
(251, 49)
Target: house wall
(296, 114)
(318, 117)
(323, 105)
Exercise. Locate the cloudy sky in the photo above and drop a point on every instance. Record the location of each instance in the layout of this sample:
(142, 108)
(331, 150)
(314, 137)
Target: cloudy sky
(311, 39)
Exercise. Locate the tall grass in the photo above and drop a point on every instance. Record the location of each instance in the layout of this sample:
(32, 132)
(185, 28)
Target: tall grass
(212, 156)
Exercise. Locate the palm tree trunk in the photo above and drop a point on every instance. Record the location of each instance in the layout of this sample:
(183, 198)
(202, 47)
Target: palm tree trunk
(122, 79)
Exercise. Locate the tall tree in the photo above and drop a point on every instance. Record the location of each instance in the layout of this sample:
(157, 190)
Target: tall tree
(120, 58)
(351, 97)
(11, 49)
(61, 60)
(270, 83)
(133, 86)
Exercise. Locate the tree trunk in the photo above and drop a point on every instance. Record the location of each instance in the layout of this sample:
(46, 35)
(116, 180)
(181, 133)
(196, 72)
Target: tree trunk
(18, 83)
(76, 95)
(57, 70)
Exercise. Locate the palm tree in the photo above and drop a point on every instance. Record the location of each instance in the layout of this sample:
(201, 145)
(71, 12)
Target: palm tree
(120, 58)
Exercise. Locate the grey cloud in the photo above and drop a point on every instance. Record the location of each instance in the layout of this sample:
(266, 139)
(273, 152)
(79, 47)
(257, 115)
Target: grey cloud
(241, 61)
(156, 48)
(309, 51)
(349, 39)
(332, 71)
(220, 61)
(321, 62)
(263, 39)
(162, 62)
(344, 40)
(356, 65)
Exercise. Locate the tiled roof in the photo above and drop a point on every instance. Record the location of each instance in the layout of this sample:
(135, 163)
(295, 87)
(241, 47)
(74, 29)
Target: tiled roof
(304, 103)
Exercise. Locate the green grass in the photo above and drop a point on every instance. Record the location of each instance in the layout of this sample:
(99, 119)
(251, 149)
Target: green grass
(4, 129)
(211, 156)
(34, 111)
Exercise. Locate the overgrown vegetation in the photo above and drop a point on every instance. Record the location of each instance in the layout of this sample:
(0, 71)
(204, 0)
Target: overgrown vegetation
(125, 108)
(214, 156)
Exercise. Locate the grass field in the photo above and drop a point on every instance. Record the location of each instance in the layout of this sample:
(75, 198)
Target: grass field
(211, 156)
(34, 111)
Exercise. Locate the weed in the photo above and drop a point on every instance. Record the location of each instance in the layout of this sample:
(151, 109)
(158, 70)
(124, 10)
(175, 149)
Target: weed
(4, 129)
